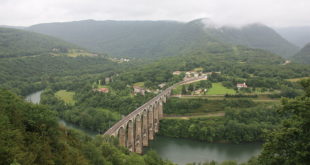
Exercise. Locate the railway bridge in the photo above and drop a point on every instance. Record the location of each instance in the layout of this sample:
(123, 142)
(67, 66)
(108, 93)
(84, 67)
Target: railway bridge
(136, 129)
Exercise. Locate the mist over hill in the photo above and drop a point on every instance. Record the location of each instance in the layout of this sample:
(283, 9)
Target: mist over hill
(162, 38)
(299, 36)
(254, 36)
(303, 56)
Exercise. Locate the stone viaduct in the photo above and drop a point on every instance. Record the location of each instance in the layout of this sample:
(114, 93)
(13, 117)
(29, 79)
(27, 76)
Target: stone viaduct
(136, 129)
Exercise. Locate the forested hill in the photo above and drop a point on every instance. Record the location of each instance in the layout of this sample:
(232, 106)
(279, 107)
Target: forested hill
(29, 61)
(14, 43)
(30, 135)
(161, 38)
(303, 56)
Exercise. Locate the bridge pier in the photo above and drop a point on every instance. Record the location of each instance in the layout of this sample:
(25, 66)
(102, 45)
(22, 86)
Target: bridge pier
(138, 140)
(130, 139)
(145, 136)
(122, 136)
(165, 99)
(160, 111)
(156, 118)
(150, 125)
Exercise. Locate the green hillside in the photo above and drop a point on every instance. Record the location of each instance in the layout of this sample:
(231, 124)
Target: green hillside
(31, 135)
(162, 38)
(14, 43)
(29, 61)
(303, 56)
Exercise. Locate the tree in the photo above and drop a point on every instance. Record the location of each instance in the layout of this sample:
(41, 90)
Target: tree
(190, 87)
(183, 92)
(290, 144)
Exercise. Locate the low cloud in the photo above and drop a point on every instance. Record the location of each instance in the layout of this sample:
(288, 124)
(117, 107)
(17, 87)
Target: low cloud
(277, 13)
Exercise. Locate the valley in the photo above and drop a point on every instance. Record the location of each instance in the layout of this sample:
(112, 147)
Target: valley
(72, 92)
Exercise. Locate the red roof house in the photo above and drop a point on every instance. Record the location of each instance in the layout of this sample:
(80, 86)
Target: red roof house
(243, 85)
(103, 90)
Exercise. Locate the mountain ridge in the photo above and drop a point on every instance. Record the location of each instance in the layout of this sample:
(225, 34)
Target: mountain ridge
(141, 39)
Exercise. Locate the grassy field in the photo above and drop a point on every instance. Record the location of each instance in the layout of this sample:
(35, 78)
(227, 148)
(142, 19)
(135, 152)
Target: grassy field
(75, 53)
(104, 86)
(66, 96)
(198, 69)
(139, 84)
(297, 79)
(219, 89)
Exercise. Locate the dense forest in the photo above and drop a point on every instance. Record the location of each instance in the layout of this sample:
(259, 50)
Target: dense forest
(238, 125)
(289, 144)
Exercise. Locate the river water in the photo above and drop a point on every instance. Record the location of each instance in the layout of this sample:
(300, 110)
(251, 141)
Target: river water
(34, 97)
(182, 151)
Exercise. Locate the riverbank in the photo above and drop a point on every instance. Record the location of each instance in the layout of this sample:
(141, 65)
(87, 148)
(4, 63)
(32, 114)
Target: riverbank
(35, 98)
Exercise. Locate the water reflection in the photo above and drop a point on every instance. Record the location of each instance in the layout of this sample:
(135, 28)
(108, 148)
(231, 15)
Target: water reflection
(34, 97)
(183, 151)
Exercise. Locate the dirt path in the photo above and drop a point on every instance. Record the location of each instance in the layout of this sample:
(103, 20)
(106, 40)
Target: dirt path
(286, 62)
(186, 117)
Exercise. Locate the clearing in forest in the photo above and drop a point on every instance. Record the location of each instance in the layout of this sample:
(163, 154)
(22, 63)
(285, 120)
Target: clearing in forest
(66, 96)
(219, 89)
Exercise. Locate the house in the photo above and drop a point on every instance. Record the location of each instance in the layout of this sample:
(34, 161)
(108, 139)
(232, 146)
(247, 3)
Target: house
(103, 90)
(107, 80)
(124, 60)
(55, 49)
(188, 74)
(137, 89)
(243, 85)
(204, 75)
(176, 72)
(162, 85)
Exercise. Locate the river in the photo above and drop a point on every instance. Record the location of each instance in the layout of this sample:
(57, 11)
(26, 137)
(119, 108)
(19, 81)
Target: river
(182, 151)
(34, 97)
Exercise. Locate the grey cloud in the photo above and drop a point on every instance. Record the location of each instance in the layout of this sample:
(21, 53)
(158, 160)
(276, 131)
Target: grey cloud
(233, 12)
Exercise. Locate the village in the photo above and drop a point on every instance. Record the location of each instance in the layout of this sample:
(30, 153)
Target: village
(201, 87)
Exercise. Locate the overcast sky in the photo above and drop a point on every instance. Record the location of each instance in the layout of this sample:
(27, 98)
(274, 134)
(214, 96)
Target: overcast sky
(276, 13)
